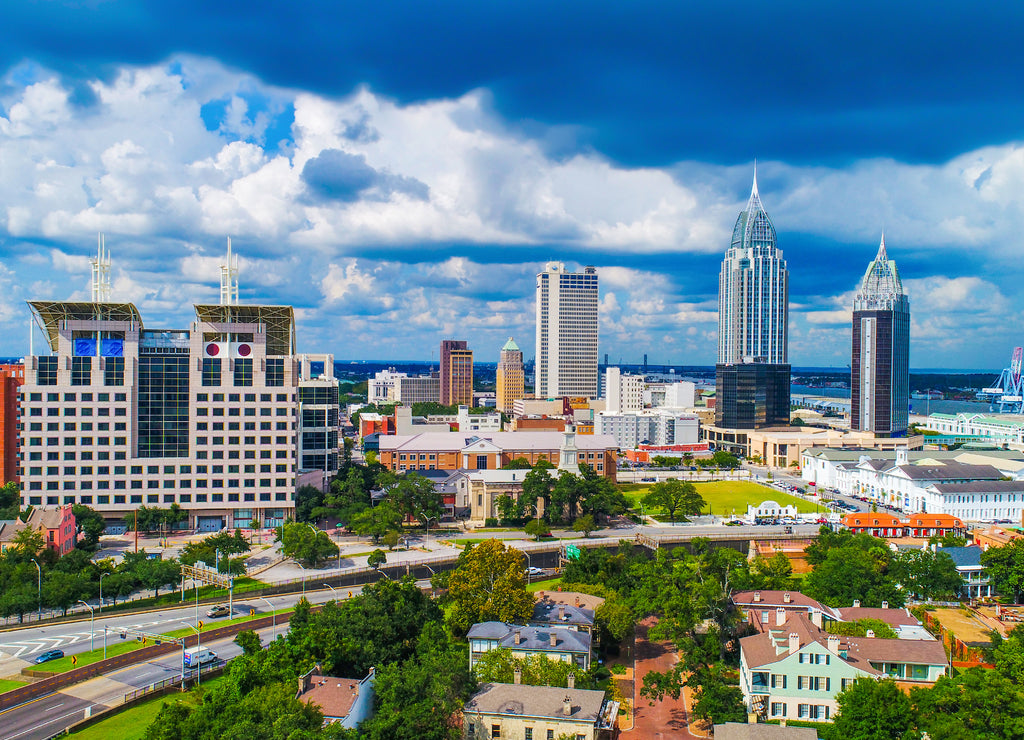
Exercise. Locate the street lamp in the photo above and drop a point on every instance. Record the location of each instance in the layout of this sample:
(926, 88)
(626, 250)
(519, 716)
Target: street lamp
(333, 589)
(529, 567)
(273, 615)
(92, 631)
(303, 580)
(199, 647)
(39, 592)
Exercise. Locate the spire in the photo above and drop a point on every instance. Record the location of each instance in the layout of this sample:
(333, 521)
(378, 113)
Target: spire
(882, 255)
(229, 279)
(753, 189)
(101, 272)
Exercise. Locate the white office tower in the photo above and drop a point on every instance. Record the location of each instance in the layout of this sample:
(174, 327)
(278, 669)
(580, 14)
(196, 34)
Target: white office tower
(566, 363)
(753, 292)
(624, 394)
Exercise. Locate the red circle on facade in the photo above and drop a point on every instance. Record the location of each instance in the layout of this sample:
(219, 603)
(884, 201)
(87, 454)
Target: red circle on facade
(212, 350)
(244, 350)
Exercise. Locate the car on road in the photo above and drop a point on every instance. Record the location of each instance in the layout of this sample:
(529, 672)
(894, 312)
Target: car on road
(49, 655)
(221, 610)
(534, 571)
(648, 480)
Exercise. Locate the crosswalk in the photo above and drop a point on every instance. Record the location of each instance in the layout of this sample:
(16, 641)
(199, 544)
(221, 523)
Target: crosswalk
(29, 647)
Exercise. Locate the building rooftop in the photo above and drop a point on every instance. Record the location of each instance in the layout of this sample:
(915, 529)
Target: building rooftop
(333, 696)
(950, 470)
(510, 346)
(535, 639)
(529, 440)
(964, 557)
(740, 731)
(992, 486)
(573, 598)
(549, 611)
(545, 702)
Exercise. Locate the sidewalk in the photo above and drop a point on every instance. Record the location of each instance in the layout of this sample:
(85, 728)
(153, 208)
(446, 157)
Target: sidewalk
(668, 717)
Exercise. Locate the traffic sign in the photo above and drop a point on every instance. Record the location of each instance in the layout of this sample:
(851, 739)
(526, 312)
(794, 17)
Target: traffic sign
(252, 612)
(200, 623)
(572, 552)
(74, 660)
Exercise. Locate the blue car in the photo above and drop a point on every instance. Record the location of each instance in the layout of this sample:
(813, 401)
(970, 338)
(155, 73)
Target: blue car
(49, 655)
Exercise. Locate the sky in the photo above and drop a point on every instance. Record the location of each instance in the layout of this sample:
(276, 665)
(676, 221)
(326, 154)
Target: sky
(399, 172)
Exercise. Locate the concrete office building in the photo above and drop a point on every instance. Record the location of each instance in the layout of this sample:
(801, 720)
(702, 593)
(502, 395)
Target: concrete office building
(566, 363)
(880, 362)
(423, 389)
(510, 378)
(456, 373)
(11, 378)
(624, 394)
(381, 387)
(654, 426)
(119, 416)
(319, 418)
(752, 375)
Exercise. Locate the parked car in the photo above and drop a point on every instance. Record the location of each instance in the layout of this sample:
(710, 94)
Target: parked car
(534, 571)
(648, 480)
(221, 610)
(49, 655)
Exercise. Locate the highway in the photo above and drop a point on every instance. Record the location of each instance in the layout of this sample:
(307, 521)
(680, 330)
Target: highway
(48, 715)
(17, 647)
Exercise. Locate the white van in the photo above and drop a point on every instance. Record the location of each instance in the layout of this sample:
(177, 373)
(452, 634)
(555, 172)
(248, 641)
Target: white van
(199, 656)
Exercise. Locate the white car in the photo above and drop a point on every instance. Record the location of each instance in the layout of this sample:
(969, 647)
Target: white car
(532, 571)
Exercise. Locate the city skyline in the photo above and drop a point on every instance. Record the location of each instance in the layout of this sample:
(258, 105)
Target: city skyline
(413, 192)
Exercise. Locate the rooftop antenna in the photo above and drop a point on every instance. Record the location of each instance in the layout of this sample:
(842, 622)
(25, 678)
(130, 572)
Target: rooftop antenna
(229, 279)
(101, 272)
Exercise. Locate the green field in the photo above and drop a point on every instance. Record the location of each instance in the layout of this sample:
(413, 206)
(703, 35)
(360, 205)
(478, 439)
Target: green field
(726, 497)
(6, 684)
(546, 585)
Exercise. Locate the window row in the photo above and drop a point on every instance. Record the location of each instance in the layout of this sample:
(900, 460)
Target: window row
(119, 485)
(167, 498)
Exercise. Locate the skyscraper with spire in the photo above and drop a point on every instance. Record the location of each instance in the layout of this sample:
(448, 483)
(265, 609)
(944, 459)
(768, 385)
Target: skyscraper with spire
(510, 378)
(752, 375)
(880, 362)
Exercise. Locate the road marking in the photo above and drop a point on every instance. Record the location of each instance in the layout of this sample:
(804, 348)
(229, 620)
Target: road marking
(55, 706)
(50, 722)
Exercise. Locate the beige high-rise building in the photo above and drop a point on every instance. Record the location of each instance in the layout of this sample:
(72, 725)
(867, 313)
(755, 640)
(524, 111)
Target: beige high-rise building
(456, 373)
(566, 332)
(510, 378)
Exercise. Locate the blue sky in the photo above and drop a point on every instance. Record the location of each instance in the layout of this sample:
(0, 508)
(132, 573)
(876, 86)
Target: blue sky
(399, 171)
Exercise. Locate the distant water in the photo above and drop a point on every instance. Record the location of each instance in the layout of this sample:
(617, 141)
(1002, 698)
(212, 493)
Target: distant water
(917, 405)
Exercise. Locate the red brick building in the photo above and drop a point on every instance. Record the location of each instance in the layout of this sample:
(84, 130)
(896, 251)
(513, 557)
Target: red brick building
(11, 378)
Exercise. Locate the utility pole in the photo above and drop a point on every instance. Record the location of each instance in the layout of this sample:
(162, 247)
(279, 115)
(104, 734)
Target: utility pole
(136, 530)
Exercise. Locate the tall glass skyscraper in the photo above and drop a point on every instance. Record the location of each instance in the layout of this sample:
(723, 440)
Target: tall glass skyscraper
(880, 363)
(752, 375)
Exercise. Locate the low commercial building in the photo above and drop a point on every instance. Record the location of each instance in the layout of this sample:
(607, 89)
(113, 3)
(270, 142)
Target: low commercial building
(381, 387)
(562, 645)
(501, 710)
(479, 490)
(653, 426)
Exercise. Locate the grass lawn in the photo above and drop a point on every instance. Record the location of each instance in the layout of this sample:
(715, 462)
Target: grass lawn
(724, 497)
(117, 646)
(548, 584)
(131, 724)
(6, 684)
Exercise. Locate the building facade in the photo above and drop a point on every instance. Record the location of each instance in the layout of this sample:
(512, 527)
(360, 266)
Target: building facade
(319, 416)
(500, 710)
(456, 373)
(11, 378)
(510, 378)
(654, 427)
(119, 416)
(566, 363)
(422, 389)
(752, 375)
(880, 361)
(381, 387)
(624, 394)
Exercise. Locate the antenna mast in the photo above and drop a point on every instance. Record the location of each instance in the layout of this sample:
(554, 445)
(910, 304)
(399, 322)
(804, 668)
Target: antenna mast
(101, 272)
(229, 279)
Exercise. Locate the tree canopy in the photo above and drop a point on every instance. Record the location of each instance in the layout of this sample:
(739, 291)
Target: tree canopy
(489, 585)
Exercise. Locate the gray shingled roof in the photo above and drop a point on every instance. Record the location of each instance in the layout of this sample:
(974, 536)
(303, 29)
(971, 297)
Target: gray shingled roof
(964, 556)
(534, 639)
(995, 486)
(951, 471)
(546, 702)
(738, 731)
(546, 612)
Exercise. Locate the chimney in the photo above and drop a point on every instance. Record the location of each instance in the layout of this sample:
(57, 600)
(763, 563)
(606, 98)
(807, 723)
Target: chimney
(885, 604)
(553, 639)
(780, 616)
(561, 611)
(794, 642)
(567, 706)
(833, 644)
(757, 598)
(786, 598)
(571, 679)
(816, 619)
(577, 601)
(856, 603)
(517, 676)
(871, 633)
(752, 718)
(519, 636)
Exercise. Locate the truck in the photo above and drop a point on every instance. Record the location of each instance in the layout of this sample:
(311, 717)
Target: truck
(199, 656)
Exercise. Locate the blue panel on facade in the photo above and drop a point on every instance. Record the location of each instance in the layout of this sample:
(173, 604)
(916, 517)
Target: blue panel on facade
(85, 348)
(112, 348)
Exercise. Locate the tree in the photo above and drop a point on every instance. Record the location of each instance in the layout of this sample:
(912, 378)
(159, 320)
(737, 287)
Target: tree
(674, 497)
(249, 641)
(499, 666)
(391, 539)
(1005, 566)
(507, 508)
(715, 699)
(376, 559)
(723, 459)
(977, 703)
(860, 627)
(1008, 655)
(489, 585)
(774, 573)
(416, 496)
(10, 501)
(519, 463)
(615, 618)
(850, 574)
(947, 540)
(28, 541)
(307, 498)
(537, 486)
(537, 528)
(377, 521)
(873, 710)
(926, 574)
(584, 524)
(301, 542)
(90, 523)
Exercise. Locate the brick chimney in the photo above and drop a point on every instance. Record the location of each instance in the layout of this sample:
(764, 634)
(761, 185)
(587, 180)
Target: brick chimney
(816, 619)
(757, 596)
(786, 598)
(780, 616)
(553, 639)
(517, 676)
(571, 681)
(577, 601)
(794, 642)
(561, 611)
(856, 603)
(567, 706)
(519, 636)
(885, 604)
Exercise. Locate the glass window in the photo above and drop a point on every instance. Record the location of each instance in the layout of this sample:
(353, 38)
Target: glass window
(46, 373)
(113, 371)
(211, 371)
(243, 372)
(81, 370)
(275, 372)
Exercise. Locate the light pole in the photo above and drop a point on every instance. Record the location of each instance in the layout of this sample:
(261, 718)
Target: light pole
(92, 622)
(104, 642)
(303, 580)
(273, 615)
(199, 647)
(529, 567)
(333, 589)
(102, 576)
(39, 592)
